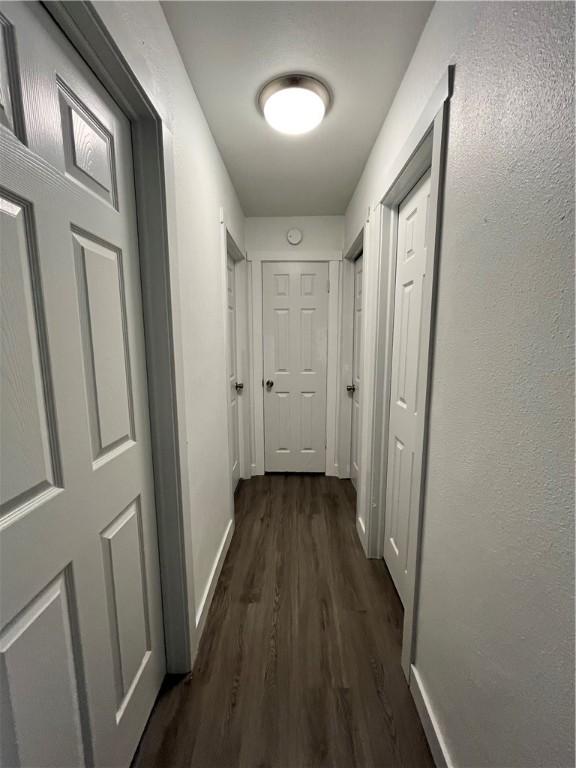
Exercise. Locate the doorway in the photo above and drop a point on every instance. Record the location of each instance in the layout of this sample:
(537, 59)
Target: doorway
(295, 342)
(235, 387)
(354, 388)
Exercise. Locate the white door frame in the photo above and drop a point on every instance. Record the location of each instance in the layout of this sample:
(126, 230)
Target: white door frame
(346, 356)
(230, 248)
(154, 183)
(368, 240)
(425, 149)
(255, 260)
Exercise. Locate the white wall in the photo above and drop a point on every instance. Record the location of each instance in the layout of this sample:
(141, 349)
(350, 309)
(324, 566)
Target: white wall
(202, 186)
(320, 233)
(495, 627)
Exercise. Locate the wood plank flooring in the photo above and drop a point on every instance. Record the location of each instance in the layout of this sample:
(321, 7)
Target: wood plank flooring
(299, 664)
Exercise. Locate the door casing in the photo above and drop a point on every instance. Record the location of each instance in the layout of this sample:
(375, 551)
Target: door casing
(297, 395)
(425, 149)
(231, 250)
(255, 261)
(81, 24)
(356, 394)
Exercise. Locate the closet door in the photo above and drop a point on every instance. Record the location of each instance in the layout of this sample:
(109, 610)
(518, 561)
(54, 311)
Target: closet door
(401, 514)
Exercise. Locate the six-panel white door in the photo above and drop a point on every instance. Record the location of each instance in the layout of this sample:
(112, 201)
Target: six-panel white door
(356, 370)
(401, 516)
(81, 636)
(295, 326)
(233, 406)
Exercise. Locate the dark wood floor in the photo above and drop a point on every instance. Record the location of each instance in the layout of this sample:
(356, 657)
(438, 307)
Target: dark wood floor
(299, 664)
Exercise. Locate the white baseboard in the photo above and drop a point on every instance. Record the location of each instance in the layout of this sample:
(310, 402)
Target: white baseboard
(206, 601)
(361, 529)
(332, 470)
(429, 723)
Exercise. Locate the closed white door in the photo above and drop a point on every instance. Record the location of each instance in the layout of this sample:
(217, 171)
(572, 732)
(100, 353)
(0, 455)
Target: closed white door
(81, 636)
(356, 369)
(295, 322)
(401, 516)
(233, 384)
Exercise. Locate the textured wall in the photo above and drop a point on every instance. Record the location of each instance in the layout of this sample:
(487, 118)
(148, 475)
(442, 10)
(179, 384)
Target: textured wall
(495, 630)
(201, 185)
(496, 621)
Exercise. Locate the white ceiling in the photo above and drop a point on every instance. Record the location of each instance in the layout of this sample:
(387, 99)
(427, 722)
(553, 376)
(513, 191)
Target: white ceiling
(361, 49)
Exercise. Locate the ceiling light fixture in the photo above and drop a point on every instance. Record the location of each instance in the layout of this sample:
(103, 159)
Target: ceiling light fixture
(294, 104)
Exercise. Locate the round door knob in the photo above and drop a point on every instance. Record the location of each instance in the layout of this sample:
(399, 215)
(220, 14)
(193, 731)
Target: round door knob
(239, 386)
(351, 388)
(269, 384)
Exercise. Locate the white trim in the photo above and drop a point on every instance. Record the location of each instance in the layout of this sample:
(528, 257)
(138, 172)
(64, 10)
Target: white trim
(255, 260)
(252, 385)
(422, 151)
(244, 366)
(185, 534)
(437, 98)
(294, 255)
(366, 501)
(361, 530)
(387, 289)
(224, 237)
(425, 148)
(206, 601)
(440, 94)
(230, 248)
(258, 371)
(346, 350)
(430, 724)
(424, 381)
(332, 372)
(356, 248)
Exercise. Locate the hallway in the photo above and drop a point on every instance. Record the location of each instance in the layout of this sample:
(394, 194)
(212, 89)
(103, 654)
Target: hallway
(299, 663)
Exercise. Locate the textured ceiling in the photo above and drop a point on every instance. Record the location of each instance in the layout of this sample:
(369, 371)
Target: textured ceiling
(361, 49)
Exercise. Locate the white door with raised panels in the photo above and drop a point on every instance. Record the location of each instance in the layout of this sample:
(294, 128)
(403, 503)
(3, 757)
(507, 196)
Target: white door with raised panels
(401, 516)
(356, 369)
(295, 326)
(81, 635)
(233, 383)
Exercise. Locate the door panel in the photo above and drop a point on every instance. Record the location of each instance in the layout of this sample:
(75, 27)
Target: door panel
(106, 363)
(81, 634)
(44, 623)
(410, 274)
(127, 599)
(295, 306)
(356, 369)
(28, 443)
(233, 406)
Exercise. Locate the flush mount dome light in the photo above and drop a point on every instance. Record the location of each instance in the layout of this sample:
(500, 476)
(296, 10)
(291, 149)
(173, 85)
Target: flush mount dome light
(294, 104)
